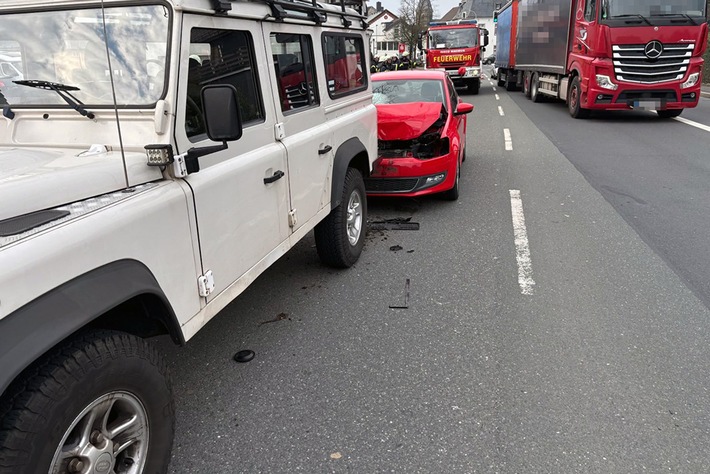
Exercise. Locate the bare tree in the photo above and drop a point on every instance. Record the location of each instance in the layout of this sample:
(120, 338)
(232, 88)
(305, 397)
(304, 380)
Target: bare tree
(414, 18)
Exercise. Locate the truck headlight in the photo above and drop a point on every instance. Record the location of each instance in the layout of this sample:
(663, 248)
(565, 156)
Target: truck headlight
(605, 82)
(692, 80)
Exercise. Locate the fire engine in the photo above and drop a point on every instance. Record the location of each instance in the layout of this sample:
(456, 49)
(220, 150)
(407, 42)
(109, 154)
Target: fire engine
(455, 47)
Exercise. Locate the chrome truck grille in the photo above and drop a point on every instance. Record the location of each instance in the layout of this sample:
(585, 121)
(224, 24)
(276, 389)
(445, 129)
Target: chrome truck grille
(653, 62)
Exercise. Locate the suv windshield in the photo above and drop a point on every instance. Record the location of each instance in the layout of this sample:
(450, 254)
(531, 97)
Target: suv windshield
(453, 38)
(623, 8)
(69, 47)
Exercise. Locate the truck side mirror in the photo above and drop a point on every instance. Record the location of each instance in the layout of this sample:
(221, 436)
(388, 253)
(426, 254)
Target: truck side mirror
(221, 111)
(485, 38)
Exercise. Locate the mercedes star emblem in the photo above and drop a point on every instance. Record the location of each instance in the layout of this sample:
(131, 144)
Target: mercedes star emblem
(653, 49)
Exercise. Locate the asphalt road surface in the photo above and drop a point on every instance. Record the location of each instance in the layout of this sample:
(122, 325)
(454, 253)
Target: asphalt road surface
(556, 318)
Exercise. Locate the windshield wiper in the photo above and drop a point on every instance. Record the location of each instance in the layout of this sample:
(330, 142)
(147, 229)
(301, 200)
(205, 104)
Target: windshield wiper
(634, 15)
(684, 15)
(62, 91)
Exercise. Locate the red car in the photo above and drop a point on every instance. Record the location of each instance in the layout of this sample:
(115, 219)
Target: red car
(421, 126)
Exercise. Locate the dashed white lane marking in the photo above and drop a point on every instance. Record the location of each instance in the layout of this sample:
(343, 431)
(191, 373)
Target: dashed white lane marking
(497, 97)
(522, 248)
(494, 89)
(693, 124)
(500, 111)
(508, 139)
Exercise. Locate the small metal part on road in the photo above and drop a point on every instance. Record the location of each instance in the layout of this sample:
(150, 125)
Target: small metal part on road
(406, 297)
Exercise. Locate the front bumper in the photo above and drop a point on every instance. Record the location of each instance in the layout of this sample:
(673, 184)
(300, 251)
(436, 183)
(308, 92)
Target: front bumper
(630, 95)
(410, 177)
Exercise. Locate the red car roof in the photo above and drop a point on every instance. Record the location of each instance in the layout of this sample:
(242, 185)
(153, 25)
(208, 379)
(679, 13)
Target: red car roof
(408, 75)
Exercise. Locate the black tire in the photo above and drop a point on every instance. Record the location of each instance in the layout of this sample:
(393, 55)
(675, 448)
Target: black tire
(510, 82)
(667, 114)
(501, 82)
(453, 193)
(535, 95)
(526, 85)
(463, 158)
(574, 100)
(341, 236)
(473, 87)
(110, 374)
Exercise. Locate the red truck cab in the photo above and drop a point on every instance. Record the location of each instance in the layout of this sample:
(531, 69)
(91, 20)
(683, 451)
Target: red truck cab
(636, 55)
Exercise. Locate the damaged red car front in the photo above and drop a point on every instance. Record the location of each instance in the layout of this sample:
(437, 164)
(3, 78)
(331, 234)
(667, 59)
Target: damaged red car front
(421, 135)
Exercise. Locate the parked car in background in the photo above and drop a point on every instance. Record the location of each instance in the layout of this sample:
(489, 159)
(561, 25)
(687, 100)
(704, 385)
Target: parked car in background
(421, 126)
(490, 59)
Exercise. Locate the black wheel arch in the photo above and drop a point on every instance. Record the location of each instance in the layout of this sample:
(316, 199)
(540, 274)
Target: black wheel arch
(351, 154)
(122, 295)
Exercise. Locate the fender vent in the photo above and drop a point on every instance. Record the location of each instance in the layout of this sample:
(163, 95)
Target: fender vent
(18, 225)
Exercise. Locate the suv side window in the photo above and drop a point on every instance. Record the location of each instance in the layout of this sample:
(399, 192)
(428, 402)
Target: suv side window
(222, 57)
(344, 62)
(293, 63)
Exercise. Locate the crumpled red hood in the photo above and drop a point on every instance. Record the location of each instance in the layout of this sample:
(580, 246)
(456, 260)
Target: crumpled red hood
(406, 121)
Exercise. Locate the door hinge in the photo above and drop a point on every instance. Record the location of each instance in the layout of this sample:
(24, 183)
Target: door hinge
(206, 283)
(292, 220)
(179, 168)
(279, 132)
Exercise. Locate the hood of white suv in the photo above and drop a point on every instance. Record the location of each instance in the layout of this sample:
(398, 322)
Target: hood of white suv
(36, 179)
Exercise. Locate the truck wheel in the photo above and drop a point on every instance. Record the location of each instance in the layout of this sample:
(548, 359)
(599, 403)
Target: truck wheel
(502, 74)
(535, 95)
(510, 82)
(341, 236)
(526, 85)
(473, 87)
(100, 402)
(666, 114)
(574, 100)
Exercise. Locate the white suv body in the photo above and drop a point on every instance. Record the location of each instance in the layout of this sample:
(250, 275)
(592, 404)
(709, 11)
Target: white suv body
(93, 239)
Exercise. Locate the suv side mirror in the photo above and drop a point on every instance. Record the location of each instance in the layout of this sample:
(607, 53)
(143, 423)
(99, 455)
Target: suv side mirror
(221, 111)
(223, 122)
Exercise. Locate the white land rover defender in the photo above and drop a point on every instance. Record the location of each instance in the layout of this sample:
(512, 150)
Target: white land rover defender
(156, 156)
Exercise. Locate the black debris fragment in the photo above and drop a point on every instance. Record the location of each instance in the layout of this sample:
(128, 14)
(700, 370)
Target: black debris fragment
(396, 248)
(244, 356)
(397, 223)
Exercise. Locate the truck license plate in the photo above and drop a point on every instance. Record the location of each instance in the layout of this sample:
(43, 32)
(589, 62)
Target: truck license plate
(648, 105)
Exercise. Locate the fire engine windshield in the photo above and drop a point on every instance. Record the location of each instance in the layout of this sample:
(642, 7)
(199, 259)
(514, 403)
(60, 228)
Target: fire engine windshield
(624, 8)
(69, 47)
(453, 38)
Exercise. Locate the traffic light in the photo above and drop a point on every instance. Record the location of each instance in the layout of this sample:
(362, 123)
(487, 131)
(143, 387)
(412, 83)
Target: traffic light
(495, 17)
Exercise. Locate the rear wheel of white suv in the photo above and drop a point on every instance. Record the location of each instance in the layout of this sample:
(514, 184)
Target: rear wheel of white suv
(341, 236)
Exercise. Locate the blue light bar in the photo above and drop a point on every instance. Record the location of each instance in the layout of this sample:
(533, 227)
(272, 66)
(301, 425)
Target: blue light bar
(453, 22)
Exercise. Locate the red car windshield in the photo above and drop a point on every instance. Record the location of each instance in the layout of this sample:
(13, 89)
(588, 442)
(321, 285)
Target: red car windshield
(404, 91)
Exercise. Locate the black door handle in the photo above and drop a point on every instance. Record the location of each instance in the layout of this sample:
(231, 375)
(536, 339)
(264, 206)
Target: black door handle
(275, 177)
(325, 150)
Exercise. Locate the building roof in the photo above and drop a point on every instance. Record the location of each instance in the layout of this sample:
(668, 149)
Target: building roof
(370, 20)
(479, 8)
(450, 15)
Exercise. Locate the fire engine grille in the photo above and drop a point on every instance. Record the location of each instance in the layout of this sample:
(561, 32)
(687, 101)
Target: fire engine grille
(631, 64)
(390, 185)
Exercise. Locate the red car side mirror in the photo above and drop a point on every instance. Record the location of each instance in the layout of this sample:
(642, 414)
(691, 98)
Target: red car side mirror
(463, 108)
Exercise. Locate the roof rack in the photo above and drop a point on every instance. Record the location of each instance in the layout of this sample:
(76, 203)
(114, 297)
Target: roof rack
(307, 10)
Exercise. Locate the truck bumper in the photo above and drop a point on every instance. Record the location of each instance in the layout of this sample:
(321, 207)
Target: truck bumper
(662, 96)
